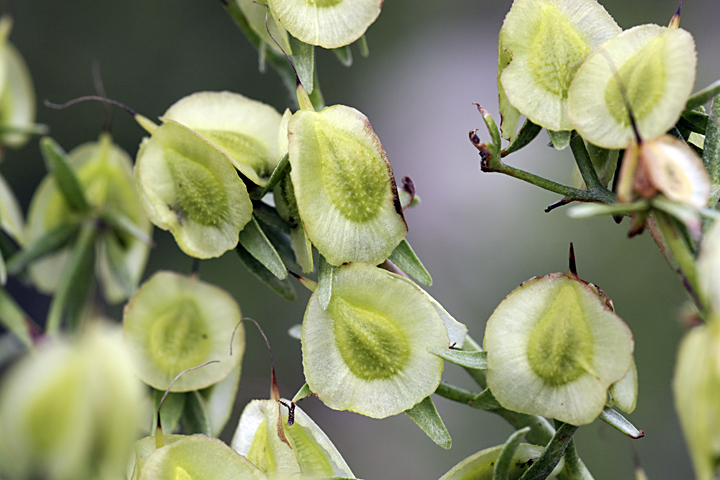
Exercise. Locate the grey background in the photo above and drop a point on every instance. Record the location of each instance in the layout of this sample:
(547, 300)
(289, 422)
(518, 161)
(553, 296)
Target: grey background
(480, 235)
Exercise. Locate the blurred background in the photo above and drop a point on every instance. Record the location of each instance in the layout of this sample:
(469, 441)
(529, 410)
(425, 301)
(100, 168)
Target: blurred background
(480, 235)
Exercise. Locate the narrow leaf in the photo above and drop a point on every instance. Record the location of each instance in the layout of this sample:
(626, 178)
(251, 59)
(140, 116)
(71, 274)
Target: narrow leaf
(426, 416)
(485, 401)
(325, 282)
(123, 224)
(404, 257)
(694, 121)
(3, 270)
(269, 216)
(711, 153)
(344, 54)
(560, 140)
(15, 319)
(220, 399)
(504, 460)
(116, 258)
(703, 96)
(476, 360)
(282, 287)
(171, 411)
(304, 392)
(57, 163)
(304, 58)
(363, 46)
(281, 169)
(527, 134)
(51, 242)
(81, 286)
(254, 241)
(543, 466)
(614, 418)
(195, 417)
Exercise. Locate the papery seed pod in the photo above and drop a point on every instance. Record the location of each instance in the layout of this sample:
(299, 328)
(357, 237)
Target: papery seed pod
(243, 129)
(174, 323)
(708, 267)
(656, 66)
(542, 44)
(344, 186)
(303, 448)
(554, 348)
(326, 23)
(480, 465)
(71, 410)
(104, 171)
(623, 393)
(189, 187)
(256, 14)
(369, 351)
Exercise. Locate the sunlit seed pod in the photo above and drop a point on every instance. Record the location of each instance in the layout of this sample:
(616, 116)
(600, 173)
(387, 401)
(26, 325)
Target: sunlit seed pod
(187, 186)
(369, 351)
(545, 42)
(656, 66)
(71, 410)
(480, 465)
(344, 186)
(696, 389)
(554, 348)
(243, 129)
(174, 323)
(326, 23)
(308, 450)
(105, 173)
(198, 457)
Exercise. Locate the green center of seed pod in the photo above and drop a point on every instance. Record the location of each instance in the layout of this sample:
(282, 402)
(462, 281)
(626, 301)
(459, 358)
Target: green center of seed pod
(643, 77)
(324, 3)
(200, 193)
(243, 148)
(354, 177)
(371, 345)
(557, 52)
(311, 457)
(560, 348)
(178, 338)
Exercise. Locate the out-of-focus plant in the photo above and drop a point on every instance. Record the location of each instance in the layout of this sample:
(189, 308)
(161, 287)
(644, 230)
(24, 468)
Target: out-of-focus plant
(313, 190)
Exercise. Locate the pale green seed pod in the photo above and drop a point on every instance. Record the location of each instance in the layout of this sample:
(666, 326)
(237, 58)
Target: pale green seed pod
(272, 29)
(303, 448)
(554, 348)
(326, 23)
(72, 410)
(189, 187)
(708, 267)
(656, 66)
(369, 351)
(105, 173)
(174, 323)
(344, 186)
(542, 44)
(480, 466)
(696, 388)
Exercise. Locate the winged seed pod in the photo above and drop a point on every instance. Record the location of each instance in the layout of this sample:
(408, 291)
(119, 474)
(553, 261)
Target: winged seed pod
(369, 351)
(189, 187)
(542, 43)
(301, 448)
(481, 465)
(656, 66)
(104, 171)
(71, 410)
(344, 186)
(174, 323)
(554, 348)
(326, 23)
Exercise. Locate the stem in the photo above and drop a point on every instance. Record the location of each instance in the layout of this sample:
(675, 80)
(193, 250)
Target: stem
(554, 451)
(585, 165)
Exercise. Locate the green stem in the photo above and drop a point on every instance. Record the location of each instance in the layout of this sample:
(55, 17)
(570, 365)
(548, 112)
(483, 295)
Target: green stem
(585, 165)
(554, 451)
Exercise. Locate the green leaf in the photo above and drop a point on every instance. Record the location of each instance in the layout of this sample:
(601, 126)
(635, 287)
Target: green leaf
(171, 411)
(124, 225)
(325, 282)
(220, 399)
(711, 152)
(51, 242)
(15, 319)
(344, 55)
(282, 287)
(467, 359)
(280, 171)
(362, 44)
(116, 258)
(485, 400)
(11, 216)
(404, 257)
(195, 417)
(426, 416)
(81, 285)
(501, 471)
(269, 216)
(553, 454)
(57, 163)
(254, 241)
(703, 96)
(614, 418)
(302, 393)
(303, 56)
(560, 140)
(527, 134)
(694, 121)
